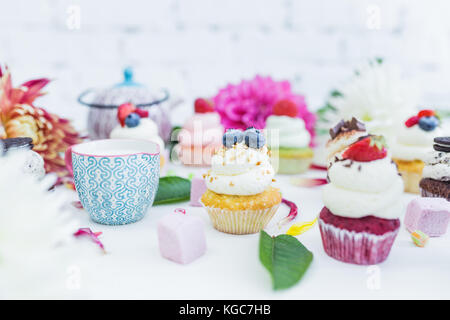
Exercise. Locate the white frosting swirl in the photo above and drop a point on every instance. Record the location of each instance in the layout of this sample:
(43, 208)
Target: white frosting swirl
(359, 189)
(363, 176)
(291, 132)
(413, 143)
(240, 171)
(437, 166)
(146, 130)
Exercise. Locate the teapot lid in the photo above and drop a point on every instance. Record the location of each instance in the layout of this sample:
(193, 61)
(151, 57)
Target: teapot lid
(126, 91)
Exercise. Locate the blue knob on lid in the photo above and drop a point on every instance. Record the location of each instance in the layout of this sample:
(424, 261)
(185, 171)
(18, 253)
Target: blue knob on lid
(128, 74)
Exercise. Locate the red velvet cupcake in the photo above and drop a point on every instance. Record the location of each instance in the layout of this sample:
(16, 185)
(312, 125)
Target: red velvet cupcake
(367, 240)
(359, 222)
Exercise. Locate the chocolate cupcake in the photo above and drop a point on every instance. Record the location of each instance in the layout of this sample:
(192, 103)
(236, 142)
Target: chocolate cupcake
(436, 173)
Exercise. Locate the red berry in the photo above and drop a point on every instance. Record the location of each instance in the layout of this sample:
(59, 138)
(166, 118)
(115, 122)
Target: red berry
(141, 113)
(285, 108)
(412, 121)
(425, 113)
(367, 149)
(123, 111)
(203, 106)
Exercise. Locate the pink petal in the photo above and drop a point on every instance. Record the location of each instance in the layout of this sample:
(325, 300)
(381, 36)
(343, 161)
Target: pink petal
(317, 167)
(292, 213)
(77, 204)
(308, 182)
(87, 232)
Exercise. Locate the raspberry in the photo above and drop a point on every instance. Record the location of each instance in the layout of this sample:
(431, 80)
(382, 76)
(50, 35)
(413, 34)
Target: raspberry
(203, 106)
(367, 149)
(412, 121)
(285, 108)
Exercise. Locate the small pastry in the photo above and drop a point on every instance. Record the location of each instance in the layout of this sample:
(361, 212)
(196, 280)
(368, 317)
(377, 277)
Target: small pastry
(359, 222)
(436, 173)
(240, 198)
(414, 140)
(287, 135)
(200, 136)
(135, 124)
(33, 164)
(429, 215)
(181, 237)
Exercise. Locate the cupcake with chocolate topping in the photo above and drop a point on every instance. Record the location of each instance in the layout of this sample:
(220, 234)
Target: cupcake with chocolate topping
(436, 173)
(360, 219)
(414, 141)
(240, 198)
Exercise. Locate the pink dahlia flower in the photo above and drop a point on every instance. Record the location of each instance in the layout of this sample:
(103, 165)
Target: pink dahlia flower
(249, 103)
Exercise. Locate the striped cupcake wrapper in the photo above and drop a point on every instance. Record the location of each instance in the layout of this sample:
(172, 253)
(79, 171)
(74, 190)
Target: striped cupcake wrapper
(356, 247)
(240, 221)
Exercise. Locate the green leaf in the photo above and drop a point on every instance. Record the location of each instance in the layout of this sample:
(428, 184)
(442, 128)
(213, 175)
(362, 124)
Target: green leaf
(285, 258)
(172, 189)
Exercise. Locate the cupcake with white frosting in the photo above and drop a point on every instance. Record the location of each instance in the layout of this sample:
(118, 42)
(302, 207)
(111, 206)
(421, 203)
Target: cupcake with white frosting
(240, 198)
(360, 219)
(135, 124)
(288, 139)
(413, 142)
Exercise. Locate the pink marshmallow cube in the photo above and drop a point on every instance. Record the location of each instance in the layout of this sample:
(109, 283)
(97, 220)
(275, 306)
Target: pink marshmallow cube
(429, 215)
(181, 237)
(198, 188)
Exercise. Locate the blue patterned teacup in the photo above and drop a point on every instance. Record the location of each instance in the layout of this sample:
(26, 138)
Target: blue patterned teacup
(116, 180)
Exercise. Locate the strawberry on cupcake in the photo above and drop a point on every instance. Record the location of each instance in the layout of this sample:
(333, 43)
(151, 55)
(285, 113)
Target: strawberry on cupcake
(201, 135)
(288, 138)
(360, 219)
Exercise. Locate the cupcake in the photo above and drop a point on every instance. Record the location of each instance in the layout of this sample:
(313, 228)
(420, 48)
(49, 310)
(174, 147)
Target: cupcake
(359, 222)
(436, 173)
(287, 136)
(414, 140)
(135, 124)
(200, 136)
(240, 198)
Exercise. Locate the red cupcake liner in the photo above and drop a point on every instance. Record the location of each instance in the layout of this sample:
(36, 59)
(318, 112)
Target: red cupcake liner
(356, 247)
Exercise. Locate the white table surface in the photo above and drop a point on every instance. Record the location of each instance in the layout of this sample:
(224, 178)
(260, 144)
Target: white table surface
(230, 269)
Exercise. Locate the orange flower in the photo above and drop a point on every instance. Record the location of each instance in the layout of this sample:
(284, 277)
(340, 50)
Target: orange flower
(20, 118)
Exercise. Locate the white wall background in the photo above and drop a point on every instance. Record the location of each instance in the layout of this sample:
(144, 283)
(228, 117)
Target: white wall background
(193, 47)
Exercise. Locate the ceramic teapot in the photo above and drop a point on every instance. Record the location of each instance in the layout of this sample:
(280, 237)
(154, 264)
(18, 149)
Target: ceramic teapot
(103, 104)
